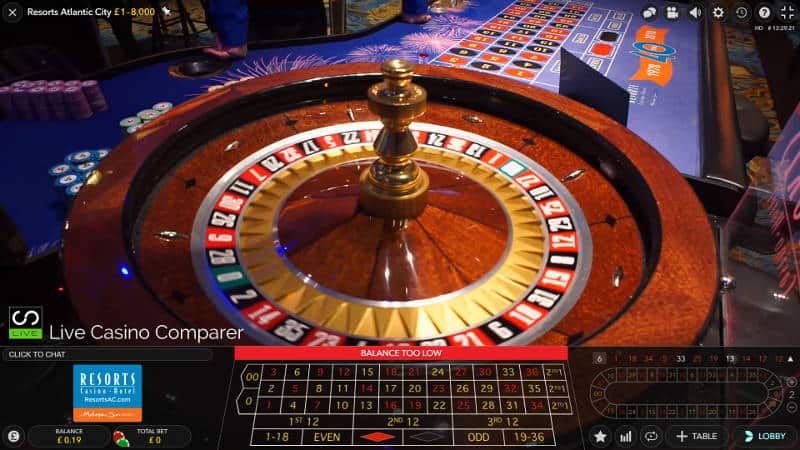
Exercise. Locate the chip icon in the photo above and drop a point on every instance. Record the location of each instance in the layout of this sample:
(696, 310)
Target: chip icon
(649, 13)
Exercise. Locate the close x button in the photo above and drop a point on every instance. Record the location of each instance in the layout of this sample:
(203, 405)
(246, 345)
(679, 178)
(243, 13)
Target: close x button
(766, 436)
(695, 436)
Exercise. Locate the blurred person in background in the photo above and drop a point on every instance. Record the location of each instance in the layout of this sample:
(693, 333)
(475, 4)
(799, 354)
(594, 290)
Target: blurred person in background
(234, 22)
(229, 20)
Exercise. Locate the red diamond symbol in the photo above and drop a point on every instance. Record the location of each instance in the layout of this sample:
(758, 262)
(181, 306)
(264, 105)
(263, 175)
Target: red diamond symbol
(377, 436)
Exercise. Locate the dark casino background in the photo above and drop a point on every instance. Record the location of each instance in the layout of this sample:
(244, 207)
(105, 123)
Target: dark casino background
(512, 223)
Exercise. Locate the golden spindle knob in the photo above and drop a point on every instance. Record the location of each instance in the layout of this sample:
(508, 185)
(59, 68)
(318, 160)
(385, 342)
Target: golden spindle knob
(394, 186)
(397, 73)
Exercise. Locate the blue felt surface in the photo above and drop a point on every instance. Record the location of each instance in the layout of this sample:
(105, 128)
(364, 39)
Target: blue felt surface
(666, 116)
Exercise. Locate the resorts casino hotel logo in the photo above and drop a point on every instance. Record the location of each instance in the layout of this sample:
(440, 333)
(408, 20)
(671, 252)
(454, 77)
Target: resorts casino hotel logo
(25, 322)
(107, 393)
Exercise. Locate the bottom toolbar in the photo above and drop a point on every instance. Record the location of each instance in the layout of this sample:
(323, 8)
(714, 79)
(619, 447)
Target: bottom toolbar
(399, 397)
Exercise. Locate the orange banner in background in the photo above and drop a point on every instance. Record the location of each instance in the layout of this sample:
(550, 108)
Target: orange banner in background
(653, 69)
(84, 415)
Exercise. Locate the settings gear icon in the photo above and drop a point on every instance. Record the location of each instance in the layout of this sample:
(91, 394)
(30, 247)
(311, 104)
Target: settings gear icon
(718, 12)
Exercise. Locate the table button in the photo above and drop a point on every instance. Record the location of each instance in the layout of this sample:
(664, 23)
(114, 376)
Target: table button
(695, 436)
(766, 436)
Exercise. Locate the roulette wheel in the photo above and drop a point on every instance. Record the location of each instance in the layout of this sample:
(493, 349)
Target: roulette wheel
(345, 206)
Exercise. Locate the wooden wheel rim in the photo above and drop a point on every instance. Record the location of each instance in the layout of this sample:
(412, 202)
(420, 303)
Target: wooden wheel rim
(673, 290)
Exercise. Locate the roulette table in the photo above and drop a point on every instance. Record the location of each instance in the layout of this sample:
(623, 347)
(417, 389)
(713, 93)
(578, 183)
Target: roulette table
(516, 216)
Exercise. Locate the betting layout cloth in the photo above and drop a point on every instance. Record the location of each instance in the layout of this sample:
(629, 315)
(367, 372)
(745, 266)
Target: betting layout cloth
(658, 63)
(409, 403)
(522, 41)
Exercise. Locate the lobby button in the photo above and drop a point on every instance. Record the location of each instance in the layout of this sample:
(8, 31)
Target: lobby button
(695, 436)
(766, 436)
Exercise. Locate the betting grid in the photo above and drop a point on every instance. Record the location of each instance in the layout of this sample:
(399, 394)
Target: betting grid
(522, 42)
(366, 404)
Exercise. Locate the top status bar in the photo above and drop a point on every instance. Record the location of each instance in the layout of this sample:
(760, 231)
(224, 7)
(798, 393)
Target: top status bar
(401, 353)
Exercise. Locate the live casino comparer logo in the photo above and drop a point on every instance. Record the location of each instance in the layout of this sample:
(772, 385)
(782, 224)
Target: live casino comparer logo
(25, 322)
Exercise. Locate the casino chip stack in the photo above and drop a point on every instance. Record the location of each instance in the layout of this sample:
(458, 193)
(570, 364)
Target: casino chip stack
(23, 84)
(39, 101)
(57, 99)
(70, 176)
(162, 107)
(61, 169)
(147, 115)
(91, 89)
(67, 179)
(80, 157)
(77, 105)
(73, 189)
(121, 440)
(21, 99)
(132, 124)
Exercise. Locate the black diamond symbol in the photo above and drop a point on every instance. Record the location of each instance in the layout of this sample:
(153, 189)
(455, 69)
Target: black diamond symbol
(528, 141)
(427, 436)
(190, 183)
(289, 121)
